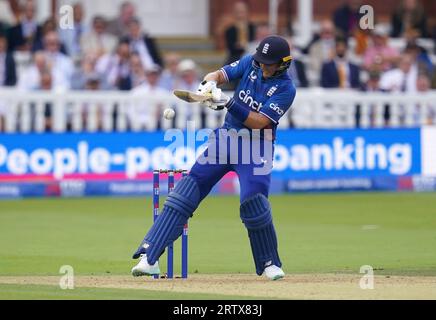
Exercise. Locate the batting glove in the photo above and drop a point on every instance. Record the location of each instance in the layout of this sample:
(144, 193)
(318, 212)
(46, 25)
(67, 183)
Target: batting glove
(206, 87)
(219, 100)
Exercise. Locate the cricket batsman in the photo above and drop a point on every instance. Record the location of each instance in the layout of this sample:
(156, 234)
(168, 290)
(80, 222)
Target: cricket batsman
(264, 94)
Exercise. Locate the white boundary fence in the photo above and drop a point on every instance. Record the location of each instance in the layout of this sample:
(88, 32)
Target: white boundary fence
(319, 108)
(120, 111)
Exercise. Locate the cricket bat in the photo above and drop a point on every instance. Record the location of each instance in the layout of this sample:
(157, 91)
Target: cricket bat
(190, 96)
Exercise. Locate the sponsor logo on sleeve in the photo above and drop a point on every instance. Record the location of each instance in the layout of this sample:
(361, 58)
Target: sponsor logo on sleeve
(276, 108)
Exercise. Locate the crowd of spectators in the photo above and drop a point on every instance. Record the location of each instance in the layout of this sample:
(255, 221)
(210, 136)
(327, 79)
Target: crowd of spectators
(119, 54)
(371, 61)
(107, 55)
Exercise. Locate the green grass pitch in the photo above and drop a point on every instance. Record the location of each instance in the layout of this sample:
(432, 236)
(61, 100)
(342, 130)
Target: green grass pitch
(318, 233)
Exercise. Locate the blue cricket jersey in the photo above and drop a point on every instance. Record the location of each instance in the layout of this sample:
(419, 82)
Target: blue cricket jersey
(271, 97)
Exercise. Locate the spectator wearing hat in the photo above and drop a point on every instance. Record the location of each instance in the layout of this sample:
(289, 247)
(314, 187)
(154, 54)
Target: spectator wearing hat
(152, 76)
(188, 73)
(189, 80)
(152, 80)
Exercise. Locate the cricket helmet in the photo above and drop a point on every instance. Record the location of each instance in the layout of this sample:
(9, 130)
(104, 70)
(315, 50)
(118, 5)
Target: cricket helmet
(274, 49)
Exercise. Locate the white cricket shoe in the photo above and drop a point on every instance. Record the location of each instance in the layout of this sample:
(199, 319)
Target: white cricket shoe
(143, 268)
(273, 272)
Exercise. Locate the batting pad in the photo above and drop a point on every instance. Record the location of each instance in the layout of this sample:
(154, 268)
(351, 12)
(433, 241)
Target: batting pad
(178, 208)
(256, 215)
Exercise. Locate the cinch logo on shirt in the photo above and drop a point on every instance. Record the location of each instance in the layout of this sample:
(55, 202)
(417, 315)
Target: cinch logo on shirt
(276, 108)
(249, 100)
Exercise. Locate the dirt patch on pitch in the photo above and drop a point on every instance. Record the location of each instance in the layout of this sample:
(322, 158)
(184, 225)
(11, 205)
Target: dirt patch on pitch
(299, 286)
